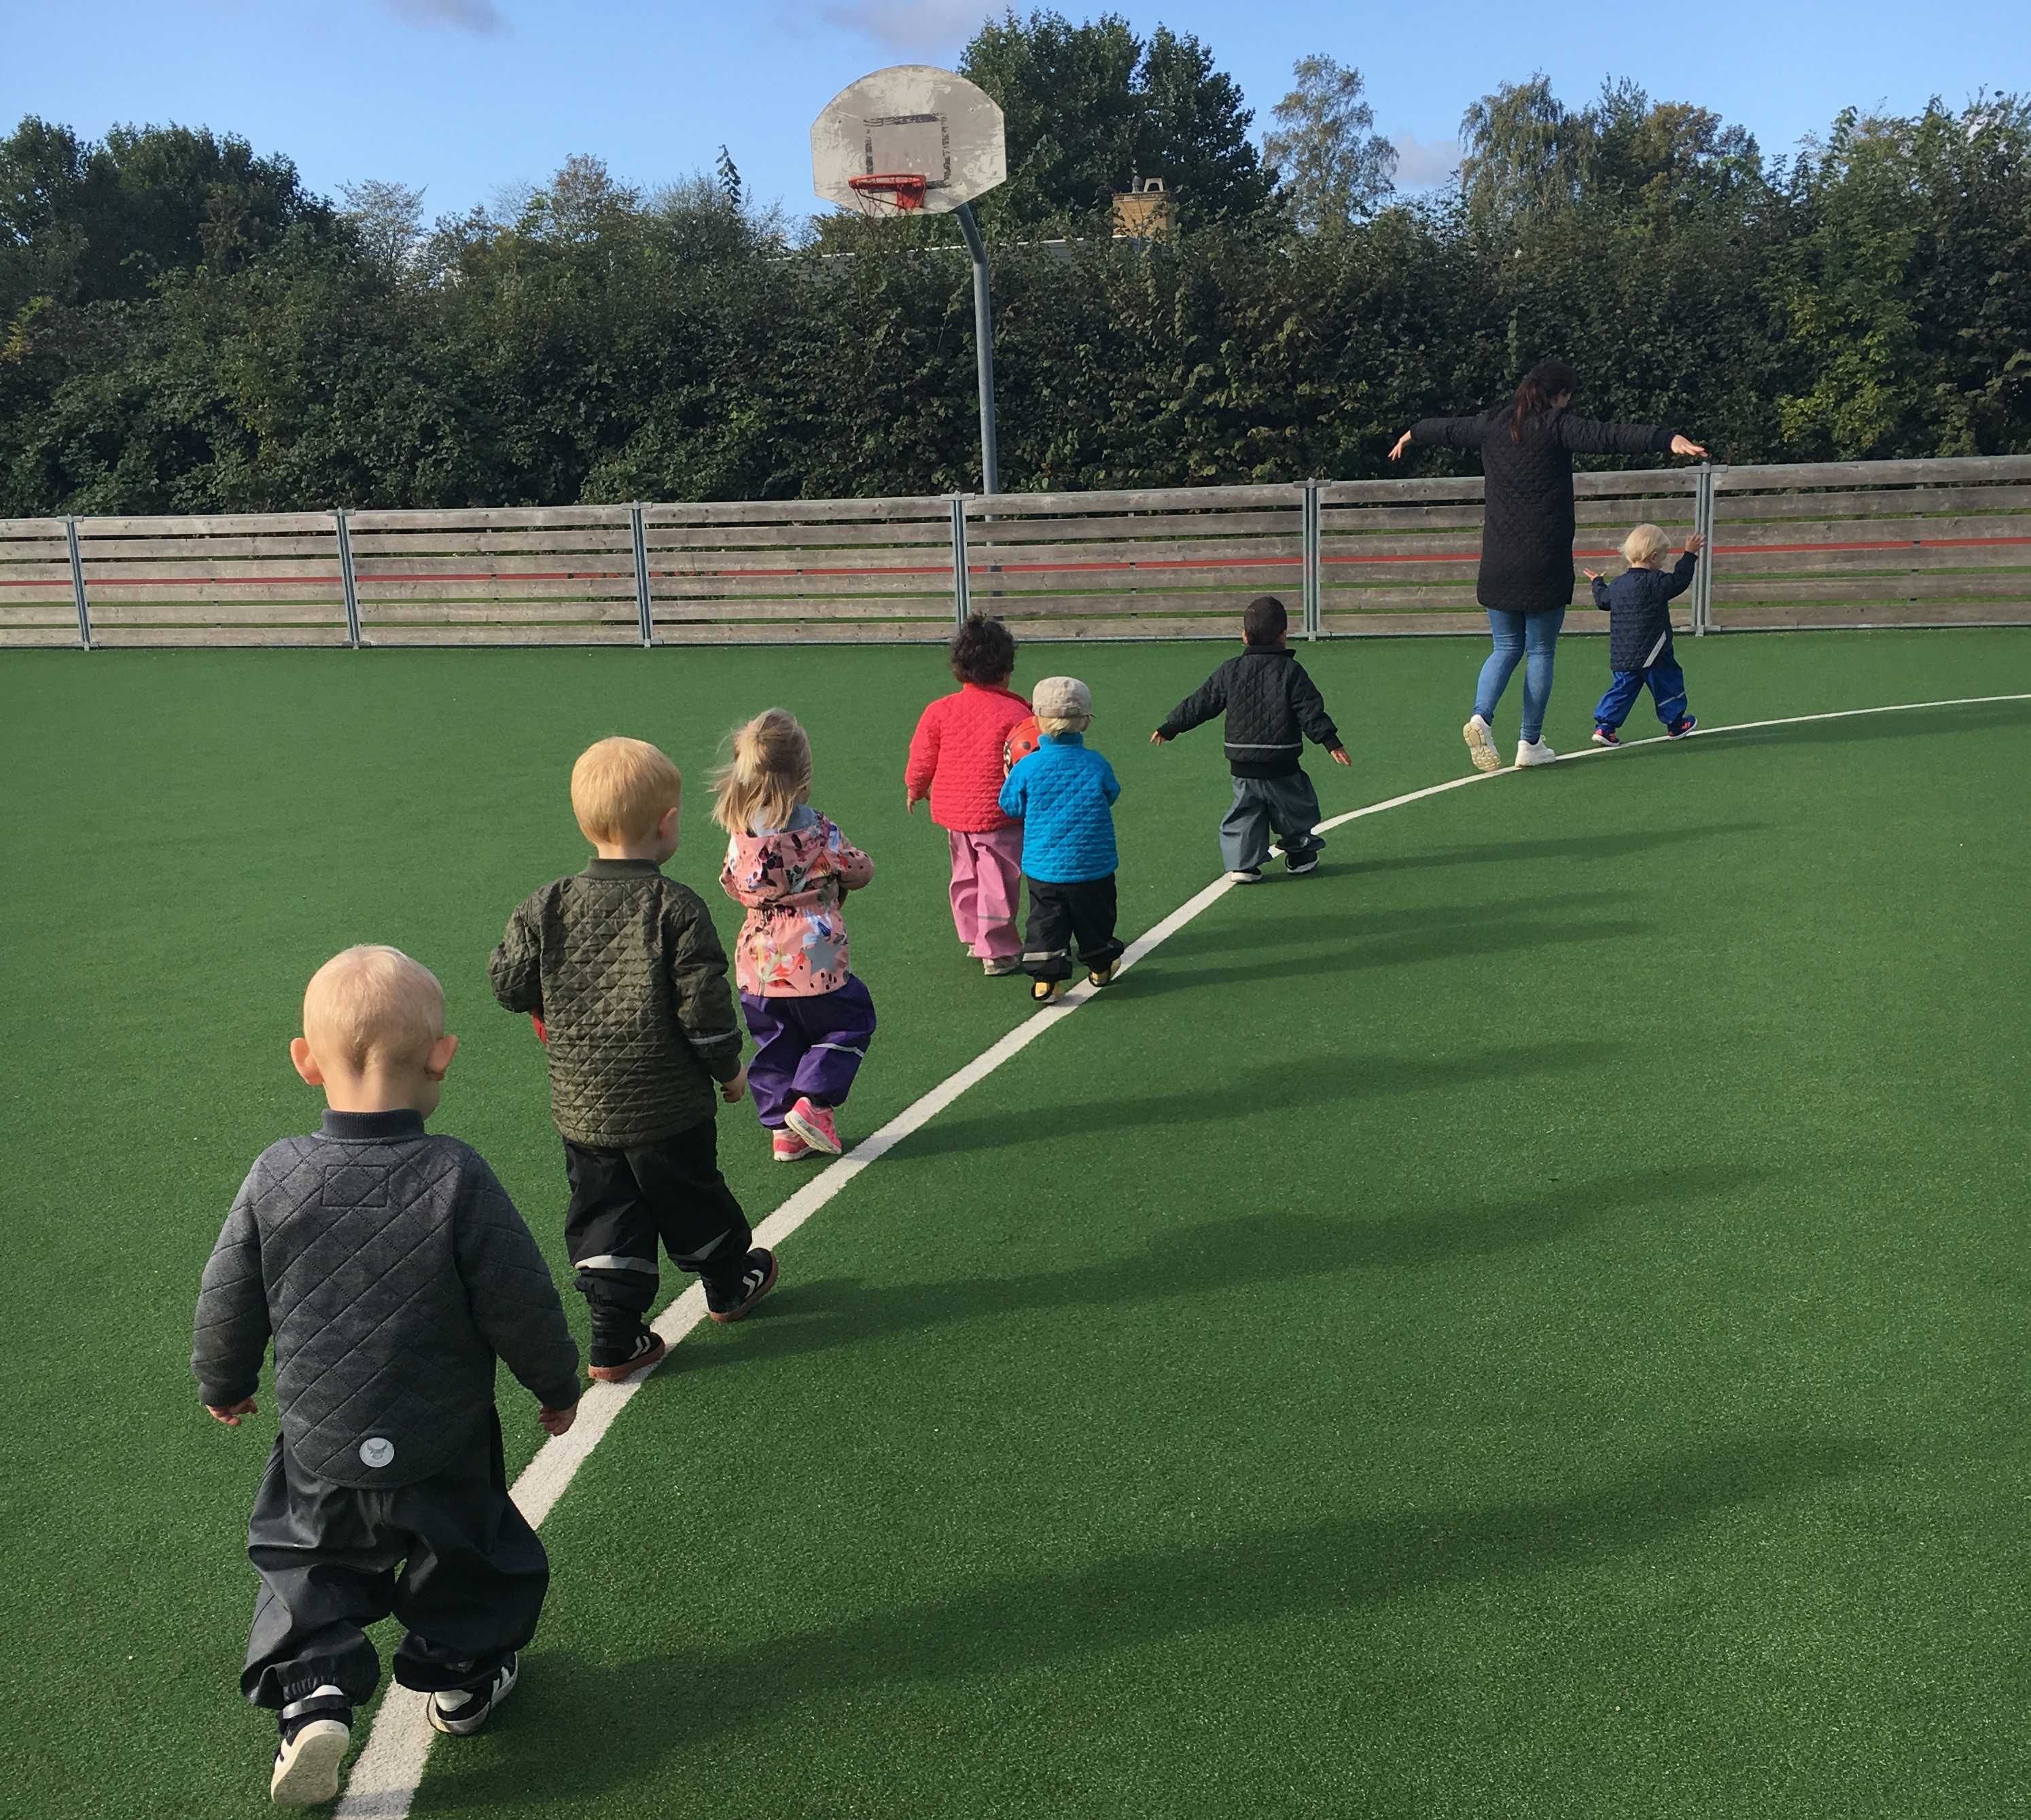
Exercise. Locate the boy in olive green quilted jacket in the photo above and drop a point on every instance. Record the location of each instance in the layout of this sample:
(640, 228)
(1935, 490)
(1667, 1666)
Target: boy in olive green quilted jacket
(626, 973)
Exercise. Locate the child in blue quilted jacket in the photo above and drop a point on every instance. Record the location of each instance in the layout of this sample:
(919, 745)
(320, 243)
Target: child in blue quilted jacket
(1064, 795)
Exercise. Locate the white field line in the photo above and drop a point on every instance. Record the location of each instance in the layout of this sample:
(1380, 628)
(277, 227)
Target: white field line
(384, 1779)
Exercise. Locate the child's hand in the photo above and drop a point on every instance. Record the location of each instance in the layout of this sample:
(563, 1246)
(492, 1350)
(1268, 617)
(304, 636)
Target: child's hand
(1158, 739)
(1591, 575)
(1697, 542)
(1338, 755)
(557, 1421)
(230, 1415)
(733, 1092)
(910, 803)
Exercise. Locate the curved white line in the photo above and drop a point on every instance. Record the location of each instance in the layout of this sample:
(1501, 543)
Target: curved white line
(384, 1780)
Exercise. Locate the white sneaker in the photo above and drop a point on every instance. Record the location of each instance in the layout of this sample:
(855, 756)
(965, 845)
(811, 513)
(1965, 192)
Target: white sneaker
(1247, 875)
(1480, 738)
(1534, 752)
(306, 1772)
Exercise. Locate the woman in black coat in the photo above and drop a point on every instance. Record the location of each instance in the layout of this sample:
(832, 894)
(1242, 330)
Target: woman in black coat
(1526, 449)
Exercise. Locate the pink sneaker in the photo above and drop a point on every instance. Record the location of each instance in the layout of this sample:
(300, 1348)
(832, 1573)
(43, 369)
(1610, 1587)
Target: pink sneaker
(814, 1125)
(787, 1147)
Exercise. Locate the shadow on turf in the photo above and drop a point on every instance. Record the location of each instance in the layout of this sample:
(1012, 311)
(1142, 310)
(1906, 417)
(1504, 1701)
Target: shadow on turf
(1293, 1084)
(1289, 928)
(1619, 844)
(631, 1717)
(1246, 1250)
(1474, 935)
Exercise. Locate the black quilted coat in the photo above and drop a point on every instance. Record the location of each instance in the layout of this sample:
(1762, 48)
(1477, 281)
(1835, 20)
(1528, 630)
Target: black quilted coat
(390, 1269)
(1526, 533)
(1272, 705)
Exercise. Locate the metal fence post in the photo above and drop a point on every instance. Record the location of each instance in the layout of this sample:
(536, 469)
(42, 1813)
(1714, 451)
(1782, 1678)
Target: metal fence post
(347, 584)
(645, 612)
(1703, 501)
(962, 592)
(1309, 534)
(77, 587)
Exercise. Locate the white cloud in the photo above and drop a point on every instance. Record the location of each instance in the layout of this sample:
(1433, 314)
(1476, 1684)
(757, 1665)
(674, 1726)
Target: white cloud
(1422, 164)
(911, 24)
(483, 17)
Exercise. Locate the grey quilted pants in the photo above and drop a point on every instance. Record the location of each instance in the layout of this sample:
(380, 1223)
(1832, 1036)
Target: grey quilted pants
(1288, 805)
(450, 1556)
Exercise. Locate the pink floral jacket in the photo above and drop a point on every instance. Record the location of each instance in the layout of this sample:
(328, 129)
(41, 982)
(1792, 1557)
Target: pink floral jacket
(794, 881)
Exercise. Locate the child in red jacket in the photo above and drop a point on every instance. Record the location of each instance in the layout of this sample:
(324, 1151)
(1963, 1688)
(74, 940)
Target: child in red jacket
(955, 759)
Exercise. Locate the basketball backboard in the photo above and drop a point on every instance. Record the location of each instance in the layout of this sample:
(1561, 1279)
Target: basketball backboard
(933, 129)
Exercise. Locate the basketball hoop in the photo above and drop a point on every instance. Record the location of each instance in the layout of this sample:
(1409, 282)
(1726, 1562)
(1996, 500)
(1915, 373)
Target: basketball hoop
(896, 193)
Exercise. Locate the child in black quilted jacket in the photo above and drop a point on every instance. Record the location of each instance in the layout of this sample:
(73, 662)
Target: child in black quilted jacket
(1638, 603)
(1272, 707)
(390, 1270)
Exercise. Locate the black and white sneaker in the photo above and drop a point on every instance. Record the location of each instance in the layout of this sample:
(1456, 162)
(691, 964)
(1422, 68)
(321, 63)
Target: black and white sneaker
(616, 1361)
(1246, 875)
(758, 1277)
(317, 1732)
(463, 1710)
(1298, 864)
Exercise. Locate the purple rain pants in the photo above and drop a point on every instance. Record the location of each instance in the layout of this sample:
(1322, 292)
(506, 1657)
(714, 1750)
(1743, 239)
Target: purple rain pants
(808, 1049)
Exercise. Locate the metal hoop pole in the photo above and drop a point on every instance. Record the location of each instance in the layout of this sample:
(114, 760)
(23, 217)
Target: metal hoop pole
(983, 338)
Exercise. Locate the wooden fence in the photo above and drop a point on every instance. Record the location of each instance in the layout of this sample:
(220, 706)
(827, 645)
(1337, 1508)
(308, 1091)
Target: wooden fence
(1907, 543)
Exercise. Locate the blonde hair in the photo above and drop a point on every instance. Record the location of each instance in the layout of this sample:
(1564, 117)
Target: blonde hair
(372, 1004)
(770, 774)
(621, 788)
(1049, 724)
(1645, 545)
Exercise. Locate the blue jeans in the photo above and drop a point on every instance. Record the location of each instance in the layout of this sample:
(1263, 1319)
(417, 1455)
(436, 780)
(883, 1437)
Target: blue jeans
(1668, 691)
(1530, 639)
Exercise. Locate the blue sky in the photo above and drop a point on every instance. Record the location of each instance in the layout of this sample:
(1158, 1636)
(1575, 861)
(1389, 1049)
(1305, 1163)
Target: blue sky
(464, 97)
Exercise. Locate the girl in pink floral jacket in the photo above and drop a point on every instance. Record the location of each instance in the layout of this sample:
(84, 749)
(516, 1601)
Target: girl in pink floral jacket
(810, 1018)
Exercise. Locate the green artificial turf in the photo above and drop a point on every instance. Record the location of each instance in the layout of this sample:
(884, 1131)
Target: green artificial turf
(1526, 1321)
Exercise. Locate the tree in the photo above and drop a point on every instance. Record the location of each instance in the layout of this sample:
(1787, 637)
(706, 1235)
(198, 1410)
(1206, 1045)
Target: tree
(1332, 167)
(387, 217)
(729, 175)
(1525, 156)
(81, 221)
(1090, 107)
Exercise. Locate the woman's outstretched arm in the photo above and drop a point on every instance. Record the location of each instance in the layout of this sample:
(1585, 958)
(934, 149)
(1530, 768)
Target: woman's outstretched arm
(1587, 436)
(1453, 432)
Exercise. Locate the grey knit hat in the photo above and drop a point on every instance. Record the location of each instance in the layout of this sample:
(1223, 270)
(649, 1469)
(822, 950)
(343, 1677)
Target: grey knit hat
(1061, 698)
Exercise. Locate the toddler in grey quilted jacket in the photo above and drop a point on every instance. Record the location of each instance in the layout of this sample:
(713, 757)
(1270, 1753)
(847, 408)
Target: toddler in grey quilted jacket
(389, 1270)
(624, 970)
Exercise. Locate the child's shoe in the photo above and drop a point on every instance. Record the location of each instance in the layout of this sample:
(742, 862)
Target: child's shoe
(1480, 738)
(757, 1278)
(462, 1711)
(1246, 875)
(1000, 966)
(786, 1146)
(1297, 864)
(1102, 976)
(1530, 752)
(1606, 736)
(317, 1732)
(815, 1125)
(614, 1360)
(1043, 991)
(1680, 727)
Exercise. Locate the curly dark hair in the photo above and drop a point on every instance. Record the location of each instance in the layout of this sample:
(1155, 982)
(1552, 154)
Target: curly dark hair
(983, 650)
